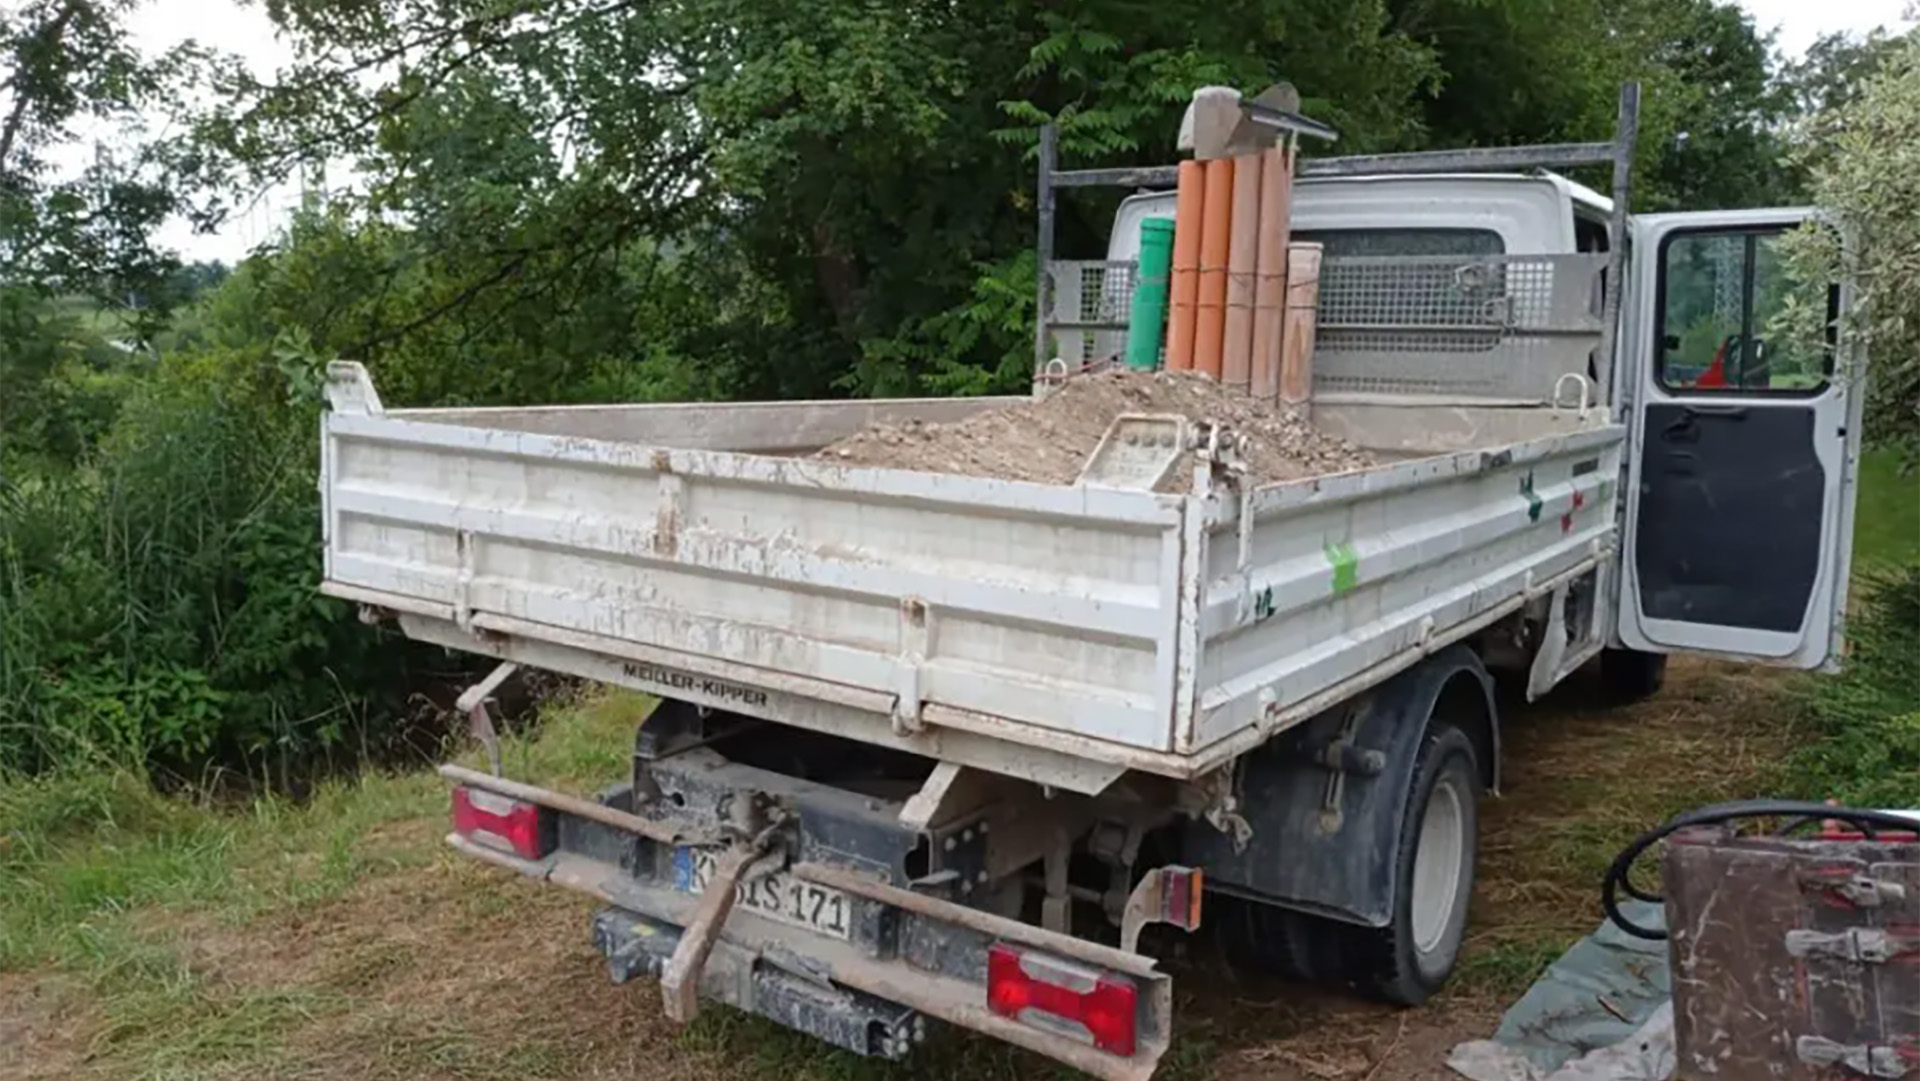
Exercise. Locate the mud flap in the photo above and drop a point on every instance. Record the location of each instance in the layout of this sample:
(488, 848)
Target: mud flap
(1327, 799)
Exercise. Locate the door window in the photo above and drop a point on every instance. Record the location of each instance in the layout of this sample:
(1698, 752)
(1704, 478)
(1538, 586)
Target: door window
(1721, 303)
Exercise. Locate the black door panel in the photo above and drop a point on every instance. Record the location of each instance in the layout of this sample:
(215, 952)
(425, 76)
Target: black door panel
(1730, 515)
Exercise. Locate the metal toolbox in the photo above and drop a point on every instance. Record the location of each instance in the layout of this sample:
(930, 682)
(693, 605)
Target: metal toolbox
(1794, 958)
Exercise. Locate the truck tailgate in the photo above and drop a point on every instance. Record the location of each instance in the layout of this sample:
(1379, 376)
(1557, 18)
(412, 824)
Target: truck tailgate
(1041, 606)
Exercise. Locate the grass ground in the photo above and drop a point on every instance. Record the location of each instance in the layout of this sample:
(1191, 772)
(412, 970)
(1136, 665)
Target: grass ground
(151, 939)
(1887, 521)
(143, 938)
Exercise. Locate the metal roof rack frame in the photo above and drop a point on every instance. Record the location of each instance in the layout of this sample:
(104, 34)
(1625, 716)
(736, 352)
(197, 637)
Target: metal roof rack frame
(1618, 153)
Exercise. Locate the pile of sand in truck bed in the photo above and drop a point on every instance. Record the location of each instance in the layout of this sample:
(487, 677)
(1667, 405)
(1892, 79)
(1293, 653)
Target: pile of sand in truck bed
(1048, 441)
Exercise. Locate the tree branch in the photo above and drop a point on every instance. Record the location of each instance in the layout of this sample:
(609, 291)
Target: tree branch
(51, 36)
(483, 34)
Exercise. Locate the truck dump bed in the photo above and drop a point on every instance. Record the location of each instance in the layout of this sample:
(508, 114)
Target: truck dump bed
(1060, 633)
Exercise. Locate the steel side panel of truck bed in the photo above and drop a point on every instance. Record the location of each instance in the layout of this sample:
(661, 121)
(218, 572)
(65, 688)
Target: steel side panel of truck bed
(1144, 630)
(1051, 607)
(1339, 576)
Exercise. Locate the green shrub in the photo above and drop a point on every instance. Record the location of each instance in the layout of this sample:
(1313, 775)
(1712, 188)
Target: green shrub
(160, 603)
(1866, 720)
(60, 385)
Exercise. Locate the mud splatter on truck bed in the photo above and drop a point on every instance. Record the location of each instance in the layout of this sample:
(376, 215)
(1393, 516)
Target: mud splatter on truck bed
(1048, 441)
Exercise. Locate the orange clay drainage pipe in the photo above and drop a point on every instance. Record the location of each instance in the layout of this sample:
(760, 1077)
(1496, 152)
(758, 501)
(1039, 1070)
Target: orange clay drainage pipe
(1236, 361)
(1270, 270)
(1216, 222)
(1188, 204)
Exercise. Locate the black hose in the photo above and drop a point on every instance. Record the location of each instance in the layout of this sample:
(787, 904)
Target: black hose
(1802, 813)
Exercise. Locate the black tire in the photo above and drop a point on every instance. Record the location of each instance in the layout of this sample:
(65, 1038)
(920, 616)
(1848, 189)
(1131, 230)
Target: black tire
(1408, 960)
(1280, 942)
(1385, 963)
(1632, 676)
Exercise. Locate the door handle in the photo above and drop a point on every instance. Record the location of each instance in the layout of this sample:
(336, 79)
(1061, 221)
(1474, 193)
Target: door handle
(1736, 412)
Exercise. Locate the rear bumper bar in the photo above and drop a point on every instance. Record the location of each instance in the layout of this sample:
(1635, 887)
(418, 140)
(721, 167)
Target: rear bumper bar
(847, 993)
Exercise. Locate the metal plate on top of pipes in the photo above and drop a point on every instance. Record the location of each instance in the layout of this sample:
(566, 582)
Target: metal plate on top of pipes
(1138, 451)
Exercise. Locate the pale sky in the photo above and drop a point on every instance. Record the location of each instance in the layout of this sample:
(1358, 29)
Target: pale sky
(1799, 22)
(243, 29)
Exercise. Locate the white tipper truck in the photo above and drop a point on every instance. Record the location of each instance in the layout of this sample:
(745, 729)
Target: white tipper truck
(941, 747)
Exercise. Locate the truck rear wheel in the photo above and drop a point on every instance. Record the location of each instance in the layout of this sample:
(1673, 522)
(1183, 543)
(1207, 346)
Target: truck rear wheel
(1284, 943)
(1632, 676)
(1410, 958)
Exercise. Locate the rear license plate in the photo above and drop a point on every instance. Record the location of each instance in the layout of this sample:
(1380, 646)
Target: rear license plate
(777, 896)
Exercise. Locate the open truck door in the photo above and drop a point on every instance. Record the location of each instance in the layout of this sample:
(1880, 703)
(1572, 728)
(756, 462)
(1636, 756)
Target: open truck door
(1745, 447)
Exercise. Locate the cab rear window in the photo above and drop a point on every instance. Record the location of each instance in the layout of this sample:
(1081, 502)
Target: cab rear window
(1435, 241)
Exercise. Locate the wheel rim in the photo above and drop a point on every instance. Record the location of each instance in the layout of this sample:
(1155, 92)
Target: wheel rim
(1436, 864)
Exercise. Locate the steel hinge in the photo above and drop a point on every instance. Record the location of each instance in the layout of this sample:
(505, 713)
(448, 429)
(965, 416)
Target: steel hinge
(1869, 1060)
(1863, 891)
(1863, 945)
(349, 389)
(907, 680)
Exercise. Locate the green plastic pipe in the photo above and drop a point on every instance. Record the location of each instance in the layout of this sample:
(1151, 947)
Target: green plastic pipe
(1147, 320)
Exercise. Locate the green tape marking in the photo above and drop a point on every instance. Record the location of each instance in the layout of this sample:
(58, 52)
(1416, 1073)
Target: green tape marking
(1346, 566)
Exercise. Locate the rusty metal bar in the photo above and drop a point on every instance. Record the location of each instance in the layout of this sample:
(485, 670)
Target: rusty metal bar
(680, 980)
(473, 703)
(1489, 159)
(573, 805)
(1043, 248)
(1626, 132)
(1287, 121)
(1471, 160)
(1141, 176)
(972, 918)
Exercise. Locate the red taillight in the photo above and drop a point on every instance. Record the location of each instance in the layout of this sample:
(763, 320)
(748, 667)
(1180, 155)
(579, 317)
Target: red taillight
(499, 822)
(1047, 991)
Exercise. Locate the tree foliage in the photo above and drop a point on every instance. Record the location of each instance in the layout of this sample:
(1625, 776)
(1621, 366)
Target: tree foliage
(844, 184)
(70, 62)
(67, 66)
(1862, 156)
(1835, 69)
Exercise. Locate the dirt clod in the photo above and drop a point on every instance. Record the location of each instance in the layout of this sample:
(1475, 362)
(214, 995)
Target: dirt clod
(1048, 441)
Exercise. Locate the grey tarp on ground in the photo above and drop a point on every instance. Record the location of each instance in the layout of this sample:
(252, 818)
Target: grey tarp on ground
(1598, 994)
